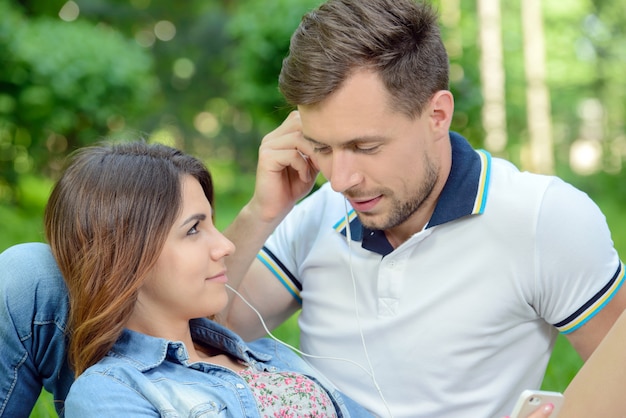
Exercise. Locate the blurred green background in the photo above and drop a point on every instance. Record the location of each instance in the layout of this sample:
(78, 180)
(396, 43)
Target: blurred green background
(202, 76)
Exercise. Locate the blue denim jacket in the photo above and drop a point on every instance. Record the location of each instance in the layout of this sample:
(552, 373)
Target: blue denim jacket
(148, 376)
(33, 318)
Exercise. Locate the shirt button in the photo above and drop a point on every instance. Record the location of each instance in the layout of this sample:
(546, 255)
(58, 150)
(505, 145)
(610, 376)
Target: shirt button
(179, 351)
(240, 386)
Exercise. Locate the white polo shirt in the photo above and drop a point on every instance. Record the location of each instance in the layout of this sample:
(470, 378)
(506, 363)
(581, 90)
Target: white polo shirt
(462, 317)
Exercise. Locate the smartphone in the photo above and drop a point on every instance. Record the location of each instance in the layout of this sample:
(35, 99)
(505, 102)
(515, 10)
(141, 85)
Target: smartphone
(530, 400)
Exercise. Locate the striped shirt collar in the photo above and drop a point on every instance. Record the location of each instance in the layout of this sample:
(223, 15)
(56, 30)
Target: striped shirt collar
(465, 193)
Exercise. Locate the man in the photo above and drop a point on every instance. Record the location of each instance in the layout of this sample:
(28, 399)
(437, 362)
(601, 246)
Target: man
(432, 279)
(445, 293)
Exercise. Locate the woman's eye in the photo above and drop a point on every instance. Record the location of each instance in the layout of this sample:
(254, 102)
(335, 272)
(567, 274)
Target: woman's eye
(194, 229)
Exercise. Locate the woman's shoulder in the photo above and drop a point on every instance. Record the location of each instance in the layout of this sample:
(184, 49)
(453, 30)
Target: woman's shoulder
(107, 389)
(99, 380)
(109, 369)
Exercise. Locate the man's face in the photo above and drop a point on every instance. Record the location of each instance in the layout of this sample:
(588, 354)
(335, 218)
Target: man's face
(383, 162)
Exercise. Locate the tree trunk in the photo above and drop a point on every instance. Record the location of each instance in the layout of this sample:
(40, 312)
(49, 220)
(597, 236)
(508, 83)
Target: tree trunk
(492, 75)
(539, 120)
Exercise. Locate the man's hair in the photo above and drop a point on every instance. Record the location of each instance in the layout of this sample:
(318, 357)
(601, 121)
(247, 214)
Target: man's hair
(107, 220)
(398, 39)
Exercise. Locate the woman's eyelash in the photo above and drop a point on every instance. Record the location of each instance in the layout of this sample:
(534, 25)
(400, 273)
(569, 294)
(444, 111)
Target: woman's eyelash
(194, 229)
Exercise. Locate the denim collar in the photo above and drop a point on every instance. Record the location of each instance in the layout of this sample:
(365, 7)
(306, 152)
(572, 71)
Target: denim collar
(146, 352)
(465, 193)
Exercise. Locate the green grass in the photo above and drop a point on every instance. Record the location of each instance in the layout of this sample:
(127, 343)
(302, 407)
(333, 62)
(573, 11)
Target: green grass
(563, 365)
(44, 408)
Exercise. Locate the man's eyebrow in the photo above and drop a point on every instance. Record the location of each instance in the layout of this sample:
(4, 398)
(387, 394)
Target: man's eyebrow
(358, 140)
(312, 140)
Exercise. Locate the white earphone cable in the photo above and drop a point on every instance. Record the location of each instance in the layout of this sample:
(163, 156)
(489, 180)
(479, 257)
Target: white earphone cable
(369, 372)
(302, 353)
(289, 345)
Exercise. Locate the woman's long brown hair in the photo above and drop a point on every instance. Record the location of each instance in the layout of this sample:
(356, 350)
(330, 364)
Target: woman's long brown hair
(106, 221)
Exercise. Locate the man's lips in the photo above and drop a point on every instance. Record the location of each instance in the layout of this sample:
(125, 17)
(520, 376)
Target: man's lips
(364, 205)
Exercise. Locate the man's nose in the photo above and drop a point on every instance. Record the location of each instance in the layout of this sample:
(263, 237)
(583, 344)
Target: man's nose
(344, 172)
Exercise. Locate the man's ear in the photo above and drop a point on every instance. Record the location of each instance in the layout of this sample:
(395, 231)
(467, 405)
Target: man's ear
(441, 110)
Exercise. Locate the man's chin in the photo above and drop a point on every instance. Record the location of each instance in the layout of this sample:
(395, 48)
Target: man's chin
(372, 222)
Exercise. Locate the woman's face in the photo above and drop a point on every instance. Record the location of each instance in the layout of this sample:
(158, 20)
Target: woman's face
(188, 279)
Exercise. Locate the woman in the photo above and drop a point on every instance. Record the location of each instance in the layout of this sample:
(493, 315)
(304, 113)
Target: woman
(130, 226)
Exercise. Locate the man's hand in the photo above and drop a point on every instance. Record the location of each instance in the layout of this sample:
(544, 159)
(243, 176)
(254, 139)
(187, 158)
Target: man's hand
(285, 172)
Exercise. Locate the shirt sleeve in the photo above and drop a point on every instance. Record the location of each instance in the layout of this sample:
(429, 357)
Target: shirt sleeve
(289, 245)
(579, 270)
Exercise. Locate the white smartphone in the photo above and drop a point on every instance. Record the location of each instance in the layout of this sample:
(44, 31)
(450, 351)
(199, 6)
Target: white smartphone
(530, 400)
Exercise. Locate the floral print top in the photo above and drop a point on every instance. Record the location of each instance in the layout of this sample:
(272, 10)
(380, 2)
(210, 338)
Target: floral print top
(288, 394)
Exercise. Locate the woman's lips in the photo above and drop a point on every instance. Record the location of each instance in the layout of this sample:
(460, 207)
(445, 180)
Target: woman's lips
(219, 278)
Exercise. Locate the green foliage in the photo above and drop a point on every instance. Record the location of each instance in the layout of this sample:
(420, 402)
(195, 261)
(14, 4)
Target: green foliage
(19, 227)
(63, 85)
(25, 223)
(261, 31)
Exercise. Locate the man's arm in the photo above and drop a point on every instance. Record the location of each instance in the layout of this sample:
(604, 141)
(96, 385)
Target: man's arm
(284, 175)
(586, 338)
(253, 280)
(578, 262)
(268, 296)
